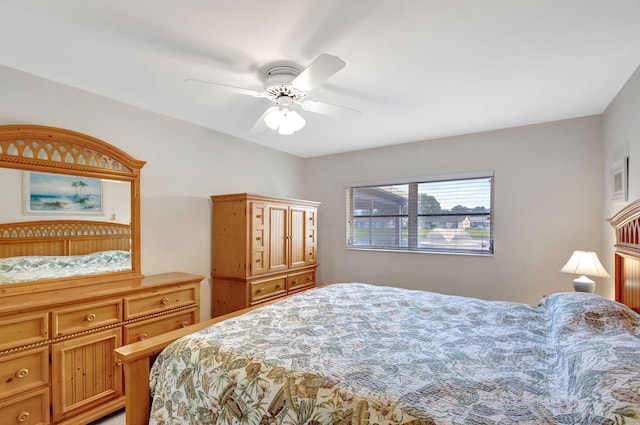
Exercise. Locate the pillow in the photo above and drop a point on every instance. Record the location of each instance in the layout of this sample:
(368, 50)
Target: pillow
(585, 312)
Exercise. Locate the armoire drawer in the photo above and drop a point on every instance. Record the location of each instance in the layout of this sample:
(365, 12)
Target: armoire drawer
(300, 281)
(146, 329)
(86, 316)
(267, 288)
(23, 371)
(23, 329)
(28, 409)
(158, 301)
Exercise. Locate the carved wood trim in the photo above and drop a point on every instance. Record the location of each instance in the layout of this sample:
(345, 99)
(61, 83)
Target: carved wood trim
(626, 223)
(62, 237)
(60, 228)
(48, 149)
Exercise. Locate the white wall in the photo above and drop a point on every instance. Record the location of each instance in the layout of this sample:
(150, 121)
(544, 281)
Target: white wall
(621, 128)
(185, 165)
(547, 204)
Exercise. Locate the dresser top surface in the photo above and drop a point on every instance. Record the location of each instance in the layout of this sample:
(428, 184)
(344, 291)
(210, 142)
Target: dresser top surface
(13, 303)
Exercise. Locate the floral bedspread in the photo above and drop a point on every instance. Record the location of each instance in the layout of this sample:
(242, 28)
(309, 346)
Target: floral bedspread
(36, 267)
(365, 354)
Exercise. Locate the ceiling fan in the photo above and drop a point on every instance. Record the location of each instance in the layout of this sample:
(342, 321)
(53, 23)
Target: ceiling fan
(287, 86)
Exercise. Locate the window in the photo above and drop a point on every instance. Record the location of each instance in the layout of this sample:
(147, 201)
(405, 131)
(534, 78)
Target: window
(450, 215)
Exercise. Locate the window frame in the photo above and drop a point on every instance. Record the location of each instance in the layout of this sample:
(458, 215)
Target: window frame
(412, 215)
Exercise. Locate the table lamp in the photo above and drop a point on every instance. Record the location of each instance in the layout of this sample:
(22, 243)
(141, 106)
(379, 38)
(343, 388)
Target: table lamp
(584, 263)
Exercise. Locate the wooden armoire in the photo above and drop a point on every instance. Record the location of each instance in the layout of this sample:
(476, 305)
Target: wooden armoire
(263, 248)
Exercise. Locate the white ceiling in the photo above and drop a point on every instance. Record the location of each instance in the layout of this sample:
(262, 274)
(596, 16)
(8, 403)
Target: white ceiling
(417, 69)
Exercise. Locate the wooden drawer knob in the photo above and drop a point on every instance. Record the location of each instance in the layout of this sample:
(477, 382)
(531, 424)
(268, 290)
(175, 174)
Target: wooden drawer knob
(295, 282)
(309, 279)
(23, 416)
(260, 290)
(164, 301)
(142, 337)
(90, 317)
(184, 324)
(22, 373)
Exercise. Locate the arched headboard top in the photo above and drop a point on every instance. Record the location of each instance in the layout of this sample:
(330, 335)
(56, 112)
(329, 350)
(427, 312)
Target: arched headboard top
(48, 149)
(627, 255)
(626, 222)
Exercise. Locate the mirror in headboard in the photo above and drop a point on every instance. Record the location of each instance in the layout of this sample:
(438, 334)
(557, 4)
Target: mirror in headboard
(70, 207)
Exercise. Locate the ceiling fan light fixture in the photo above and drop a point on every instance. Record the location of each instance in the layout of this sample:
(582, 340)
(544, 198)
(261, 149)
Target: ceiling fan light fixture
(294, 120)
(284, 119)
(273, 118)
(285, 130)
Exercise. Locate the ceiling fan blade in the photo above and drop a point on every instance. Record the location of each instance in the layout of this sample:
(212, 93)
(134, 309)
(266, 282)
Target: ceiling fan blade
(232, 89)
(260, 125)
(327, 108)
(315, 74)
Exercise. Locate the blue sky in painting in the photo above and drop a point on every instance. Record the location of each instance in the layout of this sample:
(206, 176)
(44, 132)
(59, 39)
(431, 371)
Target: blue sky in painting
(58, 184)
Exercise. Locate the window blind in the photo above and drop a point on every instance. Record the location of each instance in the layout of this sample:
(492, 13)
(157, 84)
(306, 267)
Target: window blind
(447, 216)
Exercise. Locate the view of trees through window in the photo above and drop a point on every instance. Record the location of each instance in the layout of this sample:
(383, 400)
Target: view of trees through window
(438, 216)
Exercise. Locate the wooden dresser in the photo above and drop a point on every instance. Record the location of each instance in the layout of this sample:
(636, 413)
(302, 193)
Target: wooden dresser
(56, 347)
(263, 248)
(62, 316)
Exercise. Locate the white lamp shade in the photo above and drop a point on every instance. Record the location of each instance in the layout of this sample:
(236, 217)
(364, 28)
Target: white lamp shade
(585, 263)
(273, 118)
(284, 120)
(294, 120)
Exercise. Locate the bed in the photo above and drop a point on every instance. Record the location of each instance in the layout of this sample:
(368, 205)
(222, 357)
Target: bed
(51, 249)
(358, 353)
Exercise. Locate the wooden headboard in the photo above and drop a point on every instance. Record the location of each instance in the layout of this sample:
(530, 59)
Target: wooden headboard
(62, 237)
(627, 255)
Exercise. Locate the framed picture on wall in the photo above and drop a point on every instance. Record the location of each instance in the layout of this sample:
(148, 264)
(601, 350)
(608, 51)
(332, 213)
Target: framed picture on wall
(46, 193)
(620, 180)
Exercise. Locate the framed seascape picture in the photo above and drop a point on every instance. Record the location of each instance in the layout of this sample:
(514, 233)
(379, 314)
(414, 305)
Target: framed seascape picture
(620, 180)
(46, 193)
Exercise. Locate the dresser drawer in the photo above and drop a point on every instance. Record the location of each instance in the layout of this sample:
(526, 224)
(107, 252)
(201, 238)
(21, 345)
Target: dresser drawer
(86, 316)
(300, 281)
(27, 409)
(24, 371)
(22, 329)
(160, 300)
(146, 329)
(267, 288)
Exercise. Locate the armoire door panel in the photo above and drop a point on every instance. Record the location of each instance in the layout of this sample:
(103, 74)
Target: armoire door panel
(259, 258)
(297, 231)
(310, 237)
(278, 238)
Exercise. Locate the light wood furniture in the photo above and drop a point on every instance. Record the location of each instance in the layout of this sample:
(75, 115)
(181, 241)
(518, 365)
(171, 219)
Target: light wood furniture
(57, 335)
(62, 237)
(263, 248)
(627, 255)
(60, 151)
(56, 351)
